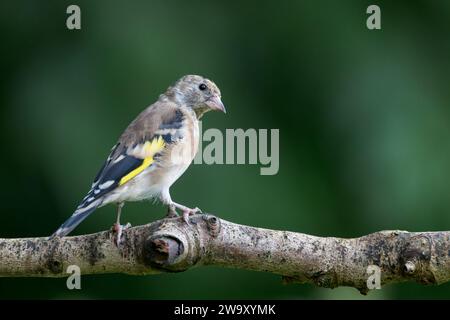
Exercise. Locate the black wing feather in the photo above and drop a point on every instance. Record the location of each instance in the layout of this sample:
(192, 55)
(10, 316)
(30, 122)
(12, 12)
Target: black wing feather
(111, 172)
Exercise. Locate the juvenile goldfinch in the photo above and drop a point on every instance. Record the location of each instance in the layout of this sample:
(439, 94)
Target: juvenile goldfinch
(152, 153)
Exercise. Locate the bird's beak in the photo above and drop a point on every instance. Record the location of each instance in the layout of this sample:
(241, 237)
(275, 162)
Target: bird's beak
(216, 104)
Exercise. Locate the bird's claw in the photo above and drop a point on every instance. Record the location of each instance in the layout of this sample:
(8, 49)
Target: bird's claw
(190, 212)
(196, 210)
(117, 231)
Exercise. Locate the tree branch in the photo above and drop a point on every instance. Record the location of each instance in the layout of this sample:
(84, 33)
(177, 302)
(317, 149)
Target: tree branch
(170, 245)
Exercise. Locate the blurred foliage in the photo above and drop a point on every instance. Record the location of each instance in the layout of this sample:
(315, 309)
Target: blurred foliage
(364, 121)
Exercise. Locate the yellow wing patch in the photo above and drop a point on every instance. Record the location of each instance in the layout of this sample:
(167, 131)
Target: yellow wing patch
(150, 149)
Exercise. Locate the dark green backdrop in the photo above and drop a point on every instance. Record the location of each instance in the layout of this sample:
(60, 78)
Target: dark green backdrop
(364, 121)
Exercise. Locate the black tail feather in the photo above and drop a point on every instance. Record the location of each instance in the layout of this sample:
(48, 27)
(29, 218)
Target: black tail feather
(75, 220)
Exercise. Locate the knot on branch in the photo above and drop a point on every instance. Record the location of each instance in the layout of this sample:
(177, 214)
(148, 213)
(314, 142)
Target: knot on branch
(168, 250)
(416, 259)
(213, 224)
(176, 246)
(163, 251)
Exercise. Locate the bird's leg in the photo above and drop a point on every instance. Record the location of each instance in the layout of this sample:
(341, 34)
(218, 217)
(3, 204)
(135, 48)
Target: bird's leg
(186, 211)
(165, 198)
(171, 212)
(117, 227)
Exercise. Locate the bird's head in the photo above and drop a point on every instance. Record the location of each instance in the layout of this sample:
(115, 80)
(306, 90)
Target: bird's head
(198, 93)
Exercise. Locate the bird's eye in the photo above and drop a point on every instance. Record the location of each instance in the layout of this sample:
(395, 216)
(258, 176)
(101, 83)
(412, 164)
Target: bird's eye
(202, 86)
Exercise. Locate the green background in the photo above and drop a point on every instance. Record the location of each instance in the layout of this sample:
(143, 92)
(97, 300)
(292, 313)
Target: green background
(364, 121)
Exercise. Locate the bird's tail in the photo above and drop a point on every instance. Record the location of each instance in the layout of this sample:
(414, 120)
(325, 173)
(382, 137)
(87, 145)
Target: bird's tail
(77, 217)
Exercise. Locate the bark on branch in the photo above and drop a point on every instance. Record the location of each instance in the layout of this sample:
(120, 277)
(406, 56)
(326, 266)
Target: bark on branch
(170, 245)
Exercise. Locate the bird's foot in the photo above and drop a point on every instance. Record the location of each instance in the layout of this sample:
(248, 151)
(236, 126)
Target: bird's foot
(190, 212)
(118, 229)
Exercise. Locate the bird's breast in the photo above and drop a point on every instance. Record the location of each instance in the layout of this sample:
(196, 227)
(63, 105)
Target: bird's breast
(177, 155)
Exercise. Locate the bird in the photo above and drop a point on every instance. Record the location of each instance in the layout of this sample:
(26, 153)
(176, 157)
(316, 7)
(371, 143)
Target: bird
(152, 153)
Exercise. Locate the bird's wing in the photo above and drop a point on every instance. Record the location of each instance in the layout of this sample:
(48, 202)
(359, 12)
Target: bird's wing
(137, 149)
(143, 141)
